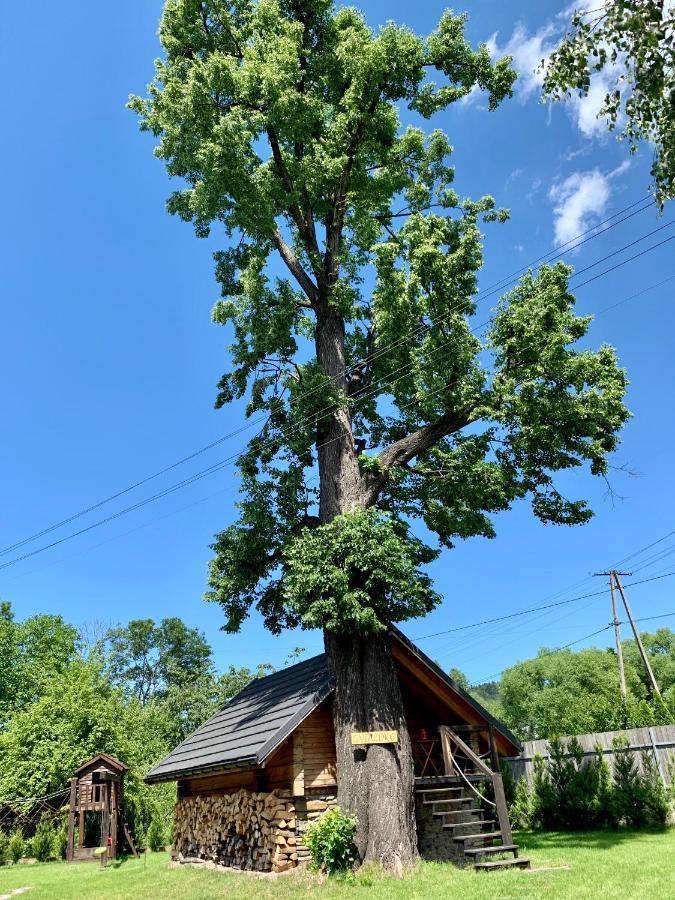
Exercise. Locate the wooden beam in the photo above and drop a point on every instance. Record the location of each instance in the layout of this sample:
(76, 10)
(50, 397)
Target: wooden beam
(298, 763)
(71, 820)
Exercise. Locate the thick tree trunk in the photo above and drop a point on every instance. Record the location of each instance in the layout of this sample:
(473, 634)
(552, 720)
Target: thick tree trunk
(375, 782)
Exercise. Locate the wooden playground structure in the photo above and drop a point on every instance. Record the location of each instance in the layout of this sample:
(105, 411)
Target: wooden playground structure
(96, 807)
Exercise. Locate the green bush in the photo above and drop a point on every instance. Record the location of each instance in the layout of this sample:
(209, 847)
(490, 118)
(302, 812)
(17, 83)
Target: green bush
(520, 807)
(4, 847)
(60, 840)
(571, 793)
(567, 788)
(156, 836)
(17, 846)
(42, 844)
(330, 841)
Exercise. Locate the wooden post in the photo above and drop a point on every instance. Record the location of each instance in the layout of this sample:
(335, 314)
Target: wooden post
(494, 754)
(502, 808)
(298, 764)
(105, 813)
(638, 641)
(70, 850)
(83, 806)
(114, 827)
(448, 761)
(617, 636)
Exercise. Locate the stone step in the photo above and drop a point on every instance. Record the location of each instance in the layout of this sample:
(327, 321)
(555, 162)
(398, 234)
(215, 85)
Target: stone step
(484, 835)
(453, 800)
(488, 851)
(520, 862)
(470, 823)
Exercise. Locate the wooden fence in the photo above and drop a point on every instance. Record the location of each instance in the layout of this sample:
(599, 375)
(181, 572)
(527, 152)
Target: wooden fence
(658, 740)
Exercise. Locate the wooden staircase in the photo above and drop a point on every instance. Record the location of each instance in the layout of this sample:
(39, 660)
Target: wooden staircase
(479, 836)
(485, 837)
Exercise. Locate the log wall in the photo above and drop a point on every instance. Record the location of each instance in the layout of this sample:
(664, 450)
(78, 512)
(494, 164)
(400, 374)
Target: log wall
(250, 830)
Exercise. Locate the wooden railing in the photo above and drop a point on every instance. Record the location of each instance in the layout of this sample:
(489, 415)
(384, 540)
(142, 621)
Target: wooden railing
(450, 739)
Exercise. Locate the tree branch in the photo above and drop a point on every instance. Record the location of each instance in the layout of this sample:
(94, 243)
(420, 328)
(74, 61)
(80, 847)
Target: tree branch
(298, 272)
(402, 451)
(303, 222)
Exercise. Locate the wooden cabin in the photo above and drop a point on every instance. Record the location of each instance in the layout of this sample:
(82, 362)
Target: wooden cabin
(258, 772)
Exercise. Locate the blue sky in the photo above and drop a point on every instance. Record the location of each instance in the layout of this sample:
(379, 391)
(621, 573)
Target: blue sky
(109, 360)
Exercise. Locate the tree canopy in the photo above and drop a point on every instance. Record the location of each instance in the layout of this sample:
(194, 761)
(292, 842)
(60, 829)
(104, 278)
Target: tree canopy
(632, 43)
(32, 652)
(148, 660)
(349, 282)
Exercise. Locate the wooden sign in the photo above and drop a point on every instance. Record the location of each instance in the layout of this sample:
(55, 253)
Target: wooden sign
(374, 737)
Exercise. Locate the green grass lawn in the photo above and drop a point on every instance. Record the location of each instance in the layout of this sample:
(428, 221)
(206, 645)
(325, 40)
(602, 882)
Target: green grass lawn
(602, 865)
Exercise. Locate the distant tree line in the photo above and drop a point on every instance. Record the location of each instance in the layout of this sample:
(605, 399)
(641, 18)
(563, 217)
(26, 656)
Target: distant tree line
(135, 691)
(576, 692)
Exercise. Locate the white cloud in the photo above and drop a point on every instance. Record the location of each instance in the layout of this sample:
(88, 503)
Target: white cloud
(514, 176)
(528, 52)
(579, 202)
(531, 50)
(584, 110)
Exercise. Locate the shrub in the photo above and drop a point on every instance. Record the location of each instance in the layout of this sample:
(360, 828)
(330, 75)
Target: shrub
(567, 788)
(4, 845)
(42, 843)
(331, 841)
(156, 836)
(521, 807)
(60, 841)
(17, 846)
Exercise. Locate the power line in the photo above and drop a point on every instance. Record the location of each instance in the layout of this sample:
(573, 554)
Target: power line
(218, 466)
(368, 360)
(524, 612)
(625, 261)
(546, 653)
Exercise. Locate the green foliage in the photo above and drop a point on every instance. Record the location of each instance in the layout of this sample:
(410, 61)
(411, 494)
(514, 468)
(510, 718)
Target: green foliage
(565, 693)
(357, 574)
(17, 846)
(330, 841)
(31, 653)
(283, 123)
(79, 714)
(639, 796)
(156, 836)
(571, 793)
(147, 660)
(60, 842)
(42, 842)
(568, 790)
(631, 43)
(4, 847)
(521, 807)
(577, 692)
(87, 706)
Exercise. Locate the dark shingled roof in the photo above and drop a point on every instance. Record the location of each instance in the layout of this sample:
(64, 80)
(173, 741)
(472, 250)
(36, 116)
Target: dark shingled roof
(252, 724)
(260, 717)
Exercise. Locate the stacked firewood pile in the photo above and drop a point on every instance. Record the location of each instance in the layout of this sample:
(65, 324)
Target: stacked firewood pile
(244, 830)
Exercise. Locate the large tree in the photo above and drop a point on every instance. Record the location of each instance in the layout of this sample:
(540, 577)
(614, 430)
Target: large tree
(348, 280)
(630, 46)
(147, 660)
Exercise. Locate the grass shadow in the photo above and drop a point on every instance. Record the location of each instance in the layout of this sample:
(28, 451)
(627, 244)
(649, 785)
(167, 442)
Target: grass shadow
(597, 840)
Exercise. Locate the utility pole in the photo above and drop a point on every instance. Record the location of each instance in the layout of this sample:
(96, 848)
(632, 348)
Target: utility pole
(613, 574)
(638, 641)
